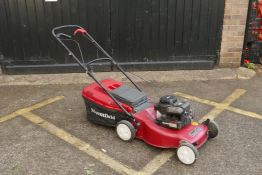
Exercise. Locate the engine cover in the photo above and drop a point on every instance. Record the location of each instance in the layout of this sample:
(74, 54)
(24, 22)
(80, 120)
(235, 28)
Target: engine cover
(174, 113)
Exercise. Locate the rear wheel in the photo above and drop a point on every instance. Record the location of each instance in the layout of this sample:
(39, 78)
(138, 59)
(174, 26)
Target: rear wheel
(187, 153)
(212, 129)
(125, 130)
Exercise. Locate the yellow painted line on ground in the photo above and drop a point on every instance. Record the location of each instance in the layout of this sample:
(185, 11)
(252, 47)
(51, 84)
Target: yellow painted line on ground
(211, 114)
(79, 144)
(218, 109)
(30, 108)
(225, 104)
(245, 113)
(197, 99)
(234, 96)
(157, 162)
(8, 117)
(41, 104)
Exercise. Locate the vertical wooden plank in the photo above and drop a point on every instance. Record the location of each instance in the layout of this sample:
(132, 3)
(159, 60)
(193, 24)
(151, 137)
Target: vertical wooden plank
(163, 27)
(57, 13)
(220, 17)
(115, 28)
(127, 25)
(41, 28)
(32, 24)
(123, 29)
(139, 29)
(6, 34)
(82, 12)
(57, 53)
(100, 22)
(187, 28)
(92, 17)
(25, 29)
(93, 26)
(107, 27)
(195, 27)
(8, 29)
(209, 18)
(15, 29)
(131, 25)
(171, 26)
(147, 30)
(49, 22)
(52, 17)
(213, 23)
(203, 35)
(2, 24)
(155, 28)
(66, 17)
(74, 11)
(179, 26)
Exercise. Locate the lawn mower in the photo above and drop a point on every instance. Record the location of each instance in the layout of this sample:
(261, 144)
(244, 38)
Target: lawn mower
(166, 124)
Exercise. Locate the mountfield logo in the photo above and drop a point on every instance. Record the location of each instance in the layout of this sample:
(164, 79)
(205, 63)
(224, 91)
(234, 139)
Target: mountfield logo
(103, 114)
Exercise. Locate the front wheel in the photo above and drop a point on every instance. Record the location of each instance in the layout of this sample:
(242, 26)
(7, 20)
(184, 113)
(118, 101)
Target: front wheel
(187, 153)
(212, 129)
(125, 130)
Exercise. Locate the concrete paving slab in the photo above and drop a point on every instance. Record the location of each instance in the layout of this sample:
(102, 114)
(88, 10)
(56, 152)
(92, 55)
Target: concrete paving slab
(16, 97)
(152, 76)
(28, 149)
(251, 101)
(211, 90)
(244, 73)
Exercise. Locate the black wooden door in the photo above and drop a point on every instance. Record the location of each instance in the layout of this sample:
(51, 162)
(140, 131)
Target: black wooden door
(141, 34)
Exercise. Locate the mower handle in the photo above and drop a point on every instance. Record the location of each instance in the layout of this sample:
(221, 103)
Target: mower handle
(81, 30)
(100, 59)
(54, 30)
(64, 35)
(84, 33)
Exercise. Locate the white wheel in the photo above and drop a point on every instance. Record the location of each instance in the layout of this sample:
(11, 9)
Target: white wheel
(187, 153)
(125, 130)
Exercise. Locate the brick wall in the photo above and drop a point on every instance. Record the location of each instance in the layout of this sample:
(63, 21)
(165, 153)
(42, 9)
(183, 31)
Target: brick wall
(233, 32)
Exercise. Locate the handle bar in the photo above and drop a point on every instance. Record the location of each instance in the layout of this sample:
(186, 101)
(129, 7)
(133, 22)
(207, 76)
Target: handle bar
(64, 35)
(79, 29)
(64, 27)
(100, 59)
(84, 33)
